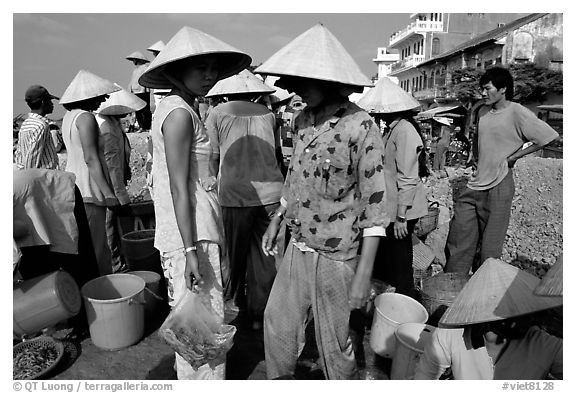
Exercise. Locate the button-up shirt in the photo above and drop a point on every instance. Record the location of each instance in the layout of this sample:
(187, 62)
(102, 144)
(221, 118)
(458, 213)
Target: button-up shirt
(335, 185)
(35, 147)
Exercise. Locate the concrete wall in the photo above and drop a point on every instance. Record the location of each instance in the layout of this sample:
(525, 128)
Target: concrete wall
(541, 41)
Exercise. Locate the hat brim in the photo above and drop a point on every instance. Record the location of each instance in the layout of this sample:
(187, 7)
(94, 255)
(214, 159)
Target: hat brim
(232, 63)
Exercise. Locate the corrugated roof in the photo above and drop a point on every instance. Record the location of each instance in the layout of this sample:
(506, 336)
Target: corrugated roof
(491, 35)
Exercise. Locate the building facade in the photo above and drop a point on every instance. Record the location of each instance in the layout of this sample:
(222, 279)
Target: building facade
(536, 38)
(430, 34)
(384, 61)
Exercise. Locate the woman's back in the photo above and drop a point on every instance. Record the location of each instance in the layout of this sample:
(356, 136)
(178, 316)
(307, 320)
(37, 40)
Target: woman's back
(249, 173)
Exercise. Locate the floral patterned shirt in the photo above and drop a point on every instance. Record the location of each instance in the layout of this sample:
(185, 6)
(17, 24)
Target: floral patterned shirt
(335, 186)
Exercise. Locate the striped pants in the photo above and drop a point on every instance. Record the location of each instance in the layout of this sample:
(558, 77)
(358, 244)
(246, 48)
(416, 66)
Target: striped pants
(308, 280)
(481, 218)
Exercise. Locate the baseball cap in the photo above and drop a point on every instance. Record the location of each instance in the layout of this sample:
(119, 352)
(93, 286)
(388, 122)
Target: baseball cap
(37, 92)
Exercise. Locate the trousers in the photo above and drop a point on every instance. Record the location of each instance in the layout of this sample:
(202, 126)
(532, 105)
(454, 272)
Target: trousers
(480, 220)
(251, 272)
(308, 280)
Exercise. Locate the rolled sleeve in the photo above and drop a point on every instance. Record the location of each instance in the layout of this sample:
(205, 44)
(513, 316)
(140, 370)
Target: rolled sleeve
(407, 145)
(374, 231)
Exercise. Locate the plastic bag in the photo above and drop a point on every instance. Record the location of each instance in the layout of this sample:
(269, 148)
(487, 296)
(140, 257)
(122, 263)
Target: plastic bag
(194, 331)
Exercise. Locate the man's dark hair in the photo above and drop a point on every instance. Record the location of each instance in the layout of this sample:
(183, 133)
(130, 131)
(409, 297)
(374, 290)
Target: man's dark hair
(500, 77)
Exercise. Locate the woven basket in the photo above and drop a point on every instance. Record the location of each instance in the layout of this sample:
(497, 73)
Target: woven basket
(36, 344)
(439, 291)
(429, 222)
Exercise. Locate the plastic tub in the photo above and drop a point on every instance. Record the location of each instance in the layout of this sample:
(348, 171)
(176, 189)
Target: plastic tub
(392, 310)
(115, 310)
(44, 301)
(411, 339)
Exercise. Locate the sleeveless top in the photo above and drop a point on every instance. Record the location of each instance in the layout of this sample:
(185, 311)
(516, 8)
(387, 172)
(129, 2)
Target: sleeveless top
(203, 165)
(75, 163)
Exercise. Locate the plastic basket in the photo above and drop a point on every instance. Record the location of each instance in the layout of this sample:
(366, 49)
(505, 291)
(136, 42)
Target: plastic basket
(429, 222)
(36, 345)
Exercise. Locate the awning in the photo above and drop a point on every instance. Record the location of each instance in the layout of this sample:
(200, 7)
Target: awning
(439, 109)
(559, 108)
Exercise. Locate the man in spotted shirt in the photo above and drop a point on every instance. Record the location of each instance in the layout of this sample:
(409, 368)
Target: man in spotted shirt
(333, 196)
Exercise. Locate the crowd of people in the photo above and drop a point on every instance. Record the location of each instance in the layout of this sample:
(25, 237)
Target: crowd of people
(348, 201)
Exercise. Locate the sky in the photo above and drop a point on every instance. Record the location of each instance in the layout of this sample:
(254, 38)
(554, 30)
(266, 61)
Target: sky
(49, 49)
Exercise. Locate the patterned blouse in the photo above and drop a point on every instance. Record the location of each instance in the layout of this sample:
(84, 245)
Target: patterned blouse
(335, 186)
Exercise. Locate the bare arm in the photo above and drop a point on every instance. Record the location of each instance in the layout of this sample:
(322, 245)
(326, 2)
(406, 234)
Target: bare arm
(523, 152)
(359, 290)
(178, 136)
(88, 130)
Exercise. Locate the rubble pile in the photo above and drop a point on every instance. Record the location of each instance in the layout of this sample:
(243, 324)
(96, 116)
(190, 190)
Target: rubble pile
(534, 237)
(136, 185)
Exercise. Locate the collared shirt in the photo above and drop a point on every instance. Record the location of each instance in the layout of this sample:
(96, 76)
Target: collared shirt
(35, 147)
(335, 186)
(404, 187)
(531, 357)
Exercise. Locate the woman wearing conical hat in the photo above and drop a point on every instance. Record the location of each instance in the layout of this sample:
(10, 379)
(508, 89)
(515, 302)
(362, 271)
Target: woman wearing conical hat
(144, 115)
(333, 195)
(404, 165)
(117, 158)
(490, 331)
(86, 156)
(189, 229)
(249, 186)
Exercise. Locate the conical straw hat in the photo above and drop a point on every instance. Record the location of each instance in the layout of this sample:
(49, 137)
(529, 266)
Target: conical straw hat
(87, 85)
(387, 97)
(137, 56)
(496, 291)
(315, 54)
(280, 94)
(551, 284)
(243, 82)
(121, 102)
(189, 42)
(442, 120)
(157, 46)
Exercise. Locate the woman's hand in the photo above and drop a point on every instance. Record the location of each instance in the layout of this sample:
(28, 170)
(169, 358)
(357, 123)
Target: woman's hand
(400, 229)
(359, 290)
(191, 272)
(269, 245)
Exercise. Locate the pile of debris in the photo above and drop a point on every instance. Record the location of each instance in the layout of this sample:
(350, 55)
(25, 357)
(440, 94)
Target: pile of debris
(534, 238)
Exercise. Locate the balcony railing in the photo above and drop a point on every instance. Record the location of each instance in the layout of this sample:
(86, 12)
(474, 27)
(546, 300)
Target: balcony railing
(414, 27)
(410, 61)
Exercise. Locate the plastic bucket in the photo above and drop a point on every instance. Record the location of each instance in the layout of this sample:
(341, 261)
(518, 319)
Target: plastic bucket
(153, 292)
(44, 301)
(411, 339)
(392, 310)
(115, 310)
(139, 251)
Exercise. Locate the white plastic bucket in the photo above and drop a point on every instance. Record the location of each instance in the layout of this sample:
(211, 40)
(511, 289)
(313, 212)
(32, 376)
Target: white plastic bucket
(115, 310)
(44, 301)
(392, 310)
(152, 282)
(411, 339)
